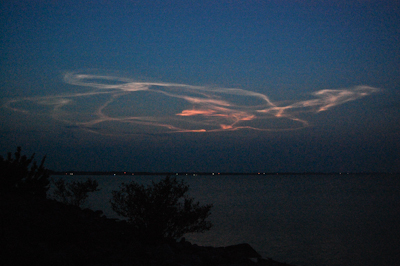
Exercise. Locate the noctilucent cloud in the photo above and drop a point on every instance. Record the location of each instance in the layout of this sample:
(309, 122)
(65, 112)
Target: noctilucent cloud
(170, 107)
(227, 86)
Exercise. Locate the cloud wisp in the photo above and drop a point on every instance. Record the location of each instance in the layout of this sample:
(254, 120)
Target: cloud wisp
(119, 106)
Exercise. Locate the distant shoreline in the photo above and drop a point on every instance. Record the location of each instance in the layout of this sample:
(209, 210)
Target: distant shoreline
(123, 173)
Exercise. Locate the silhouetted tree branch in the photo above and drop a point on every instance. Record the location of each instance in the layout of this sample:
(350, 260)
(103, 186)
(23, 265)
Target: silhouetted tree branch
(75, 192)
(18, 176)
(161, 210)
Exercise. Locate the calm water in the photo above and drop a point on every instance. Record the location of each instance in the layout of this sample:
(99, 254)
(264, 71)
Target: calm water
(302, 220)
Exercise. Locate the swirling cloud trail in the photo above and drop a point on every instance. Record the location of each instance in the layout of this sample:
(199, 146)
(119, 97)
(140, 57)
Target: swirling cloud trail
(116, 105)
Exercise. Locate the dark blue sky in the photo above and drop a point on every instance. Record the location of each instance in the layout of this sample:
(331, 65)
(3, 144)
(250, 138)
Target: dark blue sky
(202, 85)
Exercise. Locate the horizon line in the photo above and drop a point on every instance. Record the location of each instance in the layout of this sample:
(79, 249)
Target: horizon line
(207, 173)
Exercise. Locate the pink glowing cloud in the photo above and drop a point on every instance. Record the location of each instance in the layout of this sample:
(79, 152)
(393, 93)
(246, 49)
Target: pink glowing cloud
(115, 105)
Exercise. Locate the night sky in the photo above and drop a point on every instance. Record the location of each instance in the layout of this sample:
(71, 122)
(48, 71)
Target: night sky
(217, 86)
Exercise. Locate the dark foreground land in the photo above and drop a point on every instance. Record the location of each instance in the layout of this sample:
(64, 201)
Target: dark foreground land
(46, 232)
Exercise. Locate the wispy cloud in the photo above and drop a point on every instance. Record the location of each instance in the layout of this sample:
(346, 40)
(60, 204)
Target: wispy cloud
(115, 105)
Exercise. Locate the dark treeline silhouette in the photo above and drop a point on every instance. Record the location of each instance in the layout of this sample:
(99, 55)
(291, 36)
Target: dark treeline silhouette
(37, 229)
(73, 192)
(21, 174)
(161, 210)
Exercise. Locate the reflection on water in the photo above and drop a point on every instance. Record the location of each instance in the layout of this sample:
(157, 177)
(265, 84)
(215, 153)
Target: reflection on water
(303, 220)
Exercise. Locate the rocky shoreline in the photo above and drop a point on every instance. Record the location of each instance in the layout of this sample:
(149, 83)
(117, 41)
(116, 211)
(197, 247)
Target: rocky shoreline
(47, 232)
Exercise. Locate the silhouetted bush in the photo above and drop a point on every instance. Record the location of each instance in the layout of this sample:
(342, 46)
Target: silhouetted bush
(160, 210)
(18, 175)
(75, 192)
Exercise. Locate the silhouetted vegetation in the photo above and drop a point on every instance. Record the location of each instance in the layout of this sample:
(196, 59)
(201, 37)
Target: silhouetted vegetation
(22, 174)
(37, 230)
(161, 210)
(75, 192)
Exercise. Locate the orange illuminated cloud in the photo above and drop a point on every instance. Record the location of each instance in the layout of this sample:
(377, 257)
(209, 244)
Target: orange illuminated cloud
(114, 105)
(196, 112)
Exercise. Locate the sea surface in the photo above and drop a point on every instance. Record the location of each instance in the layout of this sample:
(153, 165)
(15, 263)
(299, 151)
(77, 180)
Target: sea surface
(299, 219)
